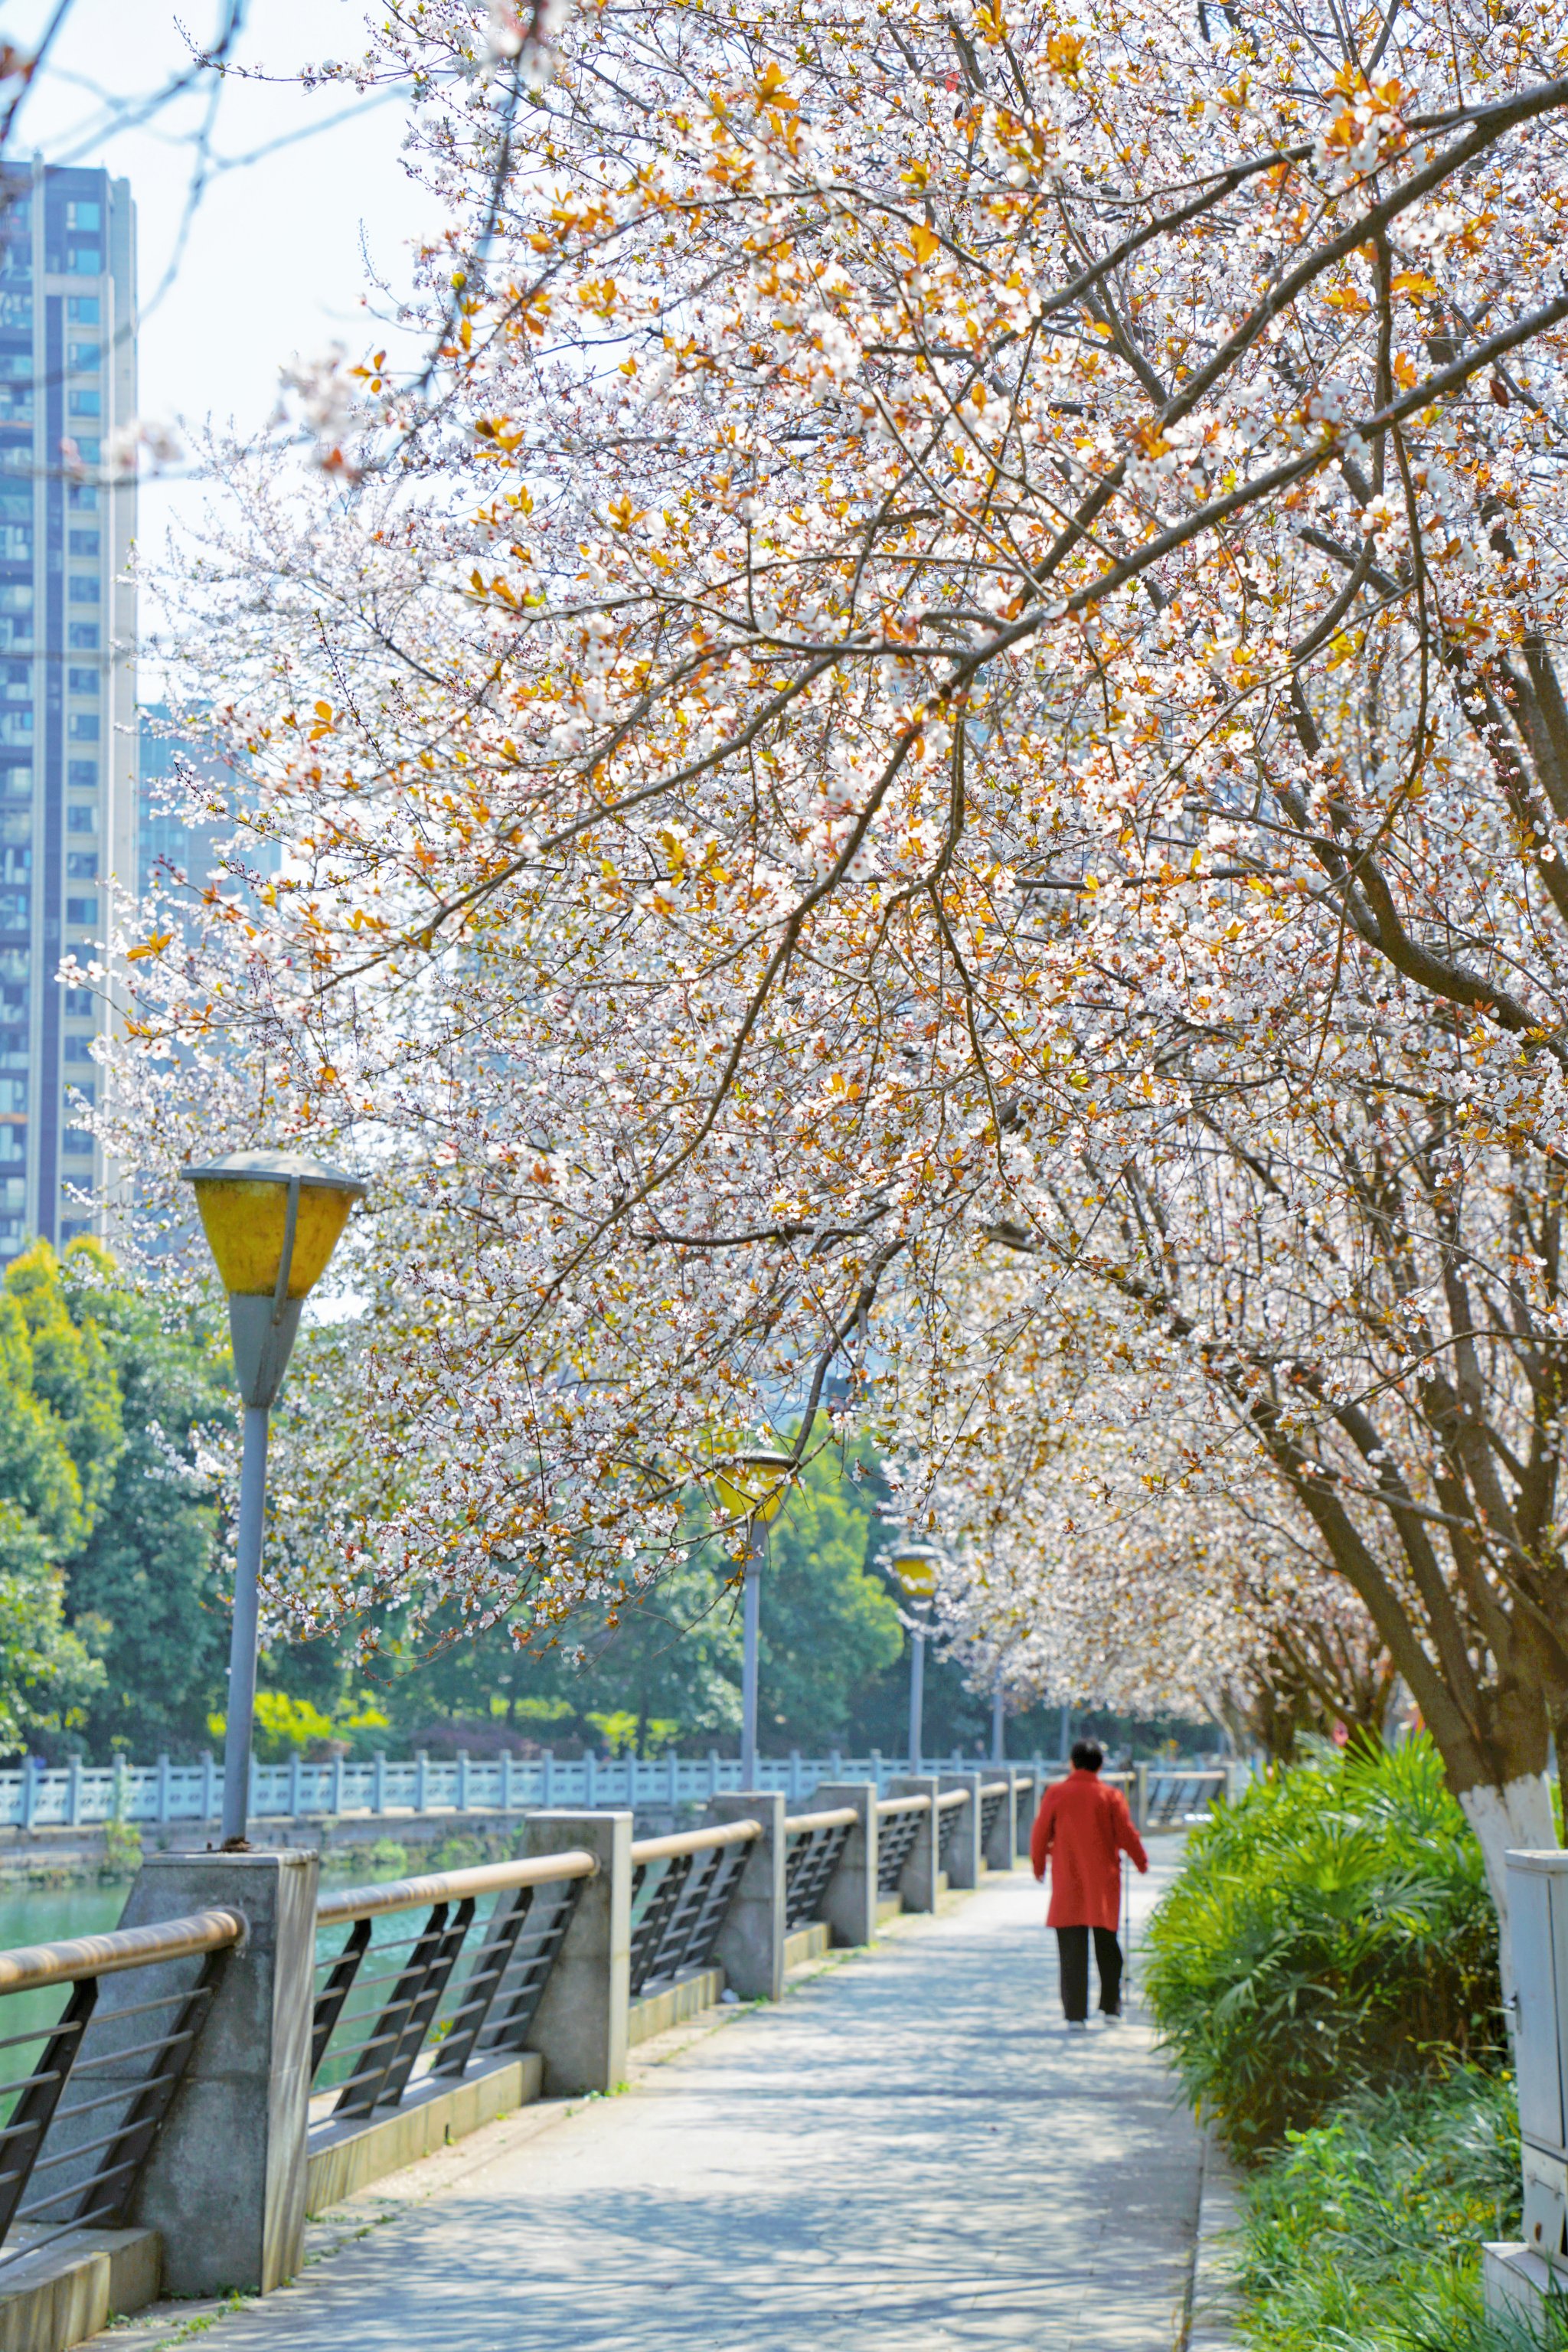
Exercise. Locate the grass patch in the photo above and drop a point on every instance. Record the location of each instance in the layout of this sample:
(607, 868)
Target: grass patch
(1363, 2234)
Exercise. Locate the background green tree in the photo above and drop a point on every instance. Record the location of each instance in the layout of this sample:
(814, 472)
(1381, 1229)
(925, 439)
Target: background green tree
(59, 1438)
(149, 1588)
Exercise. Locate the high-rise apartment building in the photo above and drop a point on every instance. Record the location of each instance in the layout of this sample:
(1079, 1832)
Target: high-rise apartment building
(67, 665)
(170, 843)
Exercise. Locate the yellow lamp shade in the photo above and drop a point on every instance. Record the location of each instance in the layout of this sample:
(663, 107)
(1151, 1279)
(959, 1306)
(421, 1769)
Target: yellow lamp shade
(244, 1205)
(916, 1572)
(753, 1486)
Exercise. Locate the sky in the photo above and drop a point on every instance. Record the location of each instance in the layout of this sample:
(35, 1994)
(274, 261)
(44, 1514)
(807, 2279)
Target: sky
(275, 258)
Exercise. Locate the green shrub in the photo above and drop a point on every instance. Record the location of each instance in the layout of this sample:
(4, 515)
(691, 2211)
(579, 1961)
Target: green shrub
(1363, 2233)
(1330, 1929)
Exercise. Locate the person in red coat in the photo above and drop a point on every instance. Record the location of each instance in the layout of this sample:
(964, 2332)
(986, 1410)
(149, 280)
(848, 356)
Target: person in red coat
(1083, 1828)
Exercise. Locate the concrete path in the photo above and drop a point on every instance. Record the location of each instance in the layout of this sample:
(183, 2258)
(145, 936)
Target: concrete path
(908, 2151)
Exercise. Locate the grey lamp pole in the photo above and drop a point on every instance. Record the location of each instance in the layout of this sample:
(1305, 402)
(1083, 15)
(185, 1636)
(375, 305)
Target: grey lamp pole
(752, 1634)
(755, 1484)
(916, 1573)
(916, 1690)
(269, 1264)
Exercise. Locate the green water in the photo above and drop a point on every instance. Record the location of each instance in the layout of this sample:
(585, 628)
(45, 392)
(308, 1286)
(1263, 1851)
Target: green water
(44, 1915)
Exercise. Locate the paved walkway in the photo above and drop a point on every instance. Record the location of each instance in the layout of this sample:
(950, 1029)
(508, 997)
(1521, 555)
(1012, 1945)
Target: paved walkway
(908, 2150)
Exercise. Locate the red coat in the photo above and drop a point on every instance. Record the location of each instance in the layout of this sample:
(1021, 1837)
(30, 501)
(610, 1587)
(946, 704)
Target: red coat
(1083, 1825)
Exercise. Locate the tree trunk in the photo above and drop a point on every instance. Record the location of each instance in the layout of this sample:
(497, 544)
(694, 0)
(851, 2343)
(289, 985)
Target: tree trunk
(1506, 1819)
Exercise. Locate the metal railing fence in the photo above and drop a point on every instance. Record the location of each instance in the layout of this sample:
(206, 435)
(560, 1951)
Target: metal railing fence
(898, 1827)
(681, 1890)
(948, 1806)
(462, 1983)
(78, 2122)
(814, 1842)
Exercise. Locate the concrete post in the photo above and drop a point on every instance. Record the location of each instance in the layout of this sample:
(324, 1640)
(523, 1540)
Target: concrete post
(1028, 1789)
(1141, 1798)
(918, 1886)
(751, 1945)
(224, 2183)
(997, 1849)
(849, 1903)
(580, 2026)
(964, 1855)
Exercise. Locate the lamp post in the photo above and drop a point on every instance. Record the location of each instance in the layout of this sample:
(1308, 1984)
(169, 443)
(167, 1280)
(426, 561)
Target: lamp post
(916, 1573)
(272, 1220)
(754, 1484)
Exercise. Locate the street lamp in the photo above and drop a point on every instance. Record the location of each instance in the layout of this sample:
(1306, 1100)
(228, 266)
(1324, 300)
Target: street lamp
(754, 1484)
(272, 1220)
(916, 1573)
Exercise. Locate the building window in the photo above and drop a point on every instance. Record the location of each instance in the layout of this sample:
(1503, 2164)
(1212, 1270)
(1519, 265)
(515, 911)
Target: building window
(77, 1144)
(84, 211)
(81, 865)
(81, 775)
(83, 496)
(85, 355)
(78, 1049)
(79, 1001)
(84, 400)
(84, 260)
(86, 543)
(82, 636)
(81, 910)
(83, 726)
(81, 820)
(83, 310)
(83, 681)
(83, 588)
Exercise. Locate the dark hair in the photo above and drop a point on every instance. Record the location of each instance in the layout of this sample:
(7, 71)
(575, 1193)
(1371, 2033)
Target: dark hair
(1087, 1756)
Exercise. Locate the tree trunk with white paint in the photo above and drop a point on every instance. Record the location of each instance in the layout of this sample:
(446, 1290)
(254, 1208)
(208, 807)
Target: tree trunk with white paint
(1517, 1816)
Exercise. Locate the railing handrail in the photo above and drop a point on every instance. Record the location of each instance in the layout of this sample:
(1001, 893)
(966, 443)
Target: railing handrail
(704, 1840)
(837, 1817)
(30, 1965)
(994, 1788)
(454, 1885)
(951, 1797)
(903, 1804)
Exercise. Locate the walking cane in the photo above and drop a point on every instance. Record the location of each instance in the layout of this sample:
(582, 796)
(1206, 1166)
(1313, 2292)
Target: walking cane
(1127, 1919)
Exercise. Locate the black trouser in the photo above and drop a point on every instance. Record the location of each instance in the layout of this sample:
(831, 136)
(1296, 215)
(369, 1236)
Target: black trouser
(1072, 1952)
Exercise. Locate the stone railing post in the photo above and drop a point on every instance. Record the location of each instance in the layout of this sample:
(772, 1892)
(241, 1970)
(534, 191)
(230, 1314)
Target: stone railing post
(849, 1902)
(751, 1945)
(1029, 1787)
(917, 1887)
(997, 1850)
(224, 2184)
(579, 2027)
(1139, 1798)
(964, 1855)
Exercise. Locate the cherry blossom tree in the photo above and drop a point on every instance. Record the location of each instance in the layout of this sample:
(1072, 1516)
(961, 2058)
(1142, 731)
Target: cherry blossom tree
(959, 652)
(1108, 1539)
